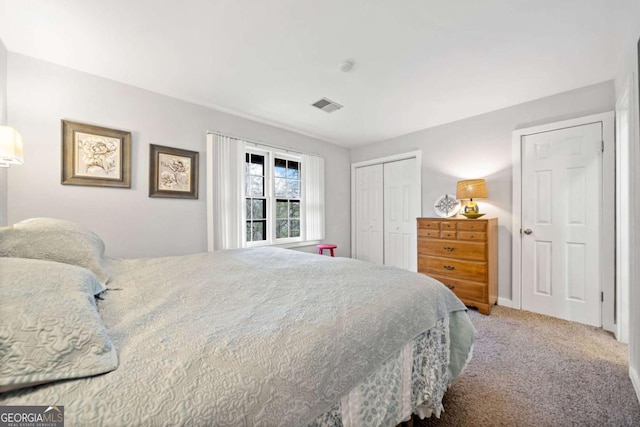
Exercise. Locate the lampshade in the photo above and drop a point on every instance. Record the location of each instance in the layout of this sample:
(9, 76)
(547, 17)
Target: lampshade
(471, 189)
(10, 146)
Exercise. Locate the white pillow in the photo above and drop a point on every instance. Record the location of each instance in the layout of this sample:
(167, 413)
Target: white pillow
(50, 329)
(55, 240)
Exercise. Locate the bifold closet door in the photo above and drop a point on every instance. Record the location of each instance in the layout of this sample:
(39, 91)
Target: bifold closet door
(370, 214)
(401, 208)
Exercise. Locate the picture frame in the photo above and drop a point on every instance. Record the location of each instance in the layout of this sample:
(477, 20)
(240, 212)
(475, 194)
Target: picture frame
(95, 156)
(173, 172)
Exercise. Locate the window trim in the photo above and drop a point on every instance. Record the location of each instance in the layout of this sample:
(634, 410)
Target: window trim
(270, 155)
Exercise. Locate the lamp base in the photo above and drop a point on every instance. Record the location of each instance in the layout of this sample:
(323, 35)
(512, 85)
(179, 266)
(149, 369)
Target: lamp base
(471, 207)
(472, 215)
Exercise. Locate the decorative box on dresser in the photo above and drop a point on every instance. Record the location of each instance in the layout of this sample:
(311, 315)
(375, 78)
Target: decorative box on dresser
(462, 254)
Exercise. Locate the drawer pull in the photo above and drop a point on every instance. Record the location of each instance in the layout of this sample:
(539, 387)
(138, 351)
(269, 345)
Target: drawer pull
(448, 248)
(449, 267)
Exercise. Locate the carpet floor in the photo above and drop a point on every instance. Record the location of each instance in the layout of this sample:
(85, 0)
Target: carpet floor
(533, 370)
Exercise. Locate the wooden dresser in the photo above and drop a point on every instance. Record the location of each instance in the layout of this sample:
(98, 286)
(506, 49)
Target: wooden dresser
(462, 254)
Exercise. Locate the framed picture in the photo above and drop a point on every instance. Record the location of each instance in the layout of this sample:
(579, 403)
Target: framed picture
(95, 156)
(173, 172)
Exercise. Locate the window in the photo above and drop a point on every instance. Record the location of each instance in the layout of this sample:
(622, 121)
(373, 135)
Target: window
(273, 197)
(260, 195)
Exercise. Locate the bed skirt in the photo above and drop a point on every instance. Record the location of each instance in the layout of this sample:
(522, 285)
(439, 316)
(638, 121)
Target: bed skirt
(413, 380)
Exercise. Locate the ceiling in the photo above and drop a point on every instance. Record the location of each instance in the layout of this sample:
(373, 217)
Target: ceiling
(418, 63)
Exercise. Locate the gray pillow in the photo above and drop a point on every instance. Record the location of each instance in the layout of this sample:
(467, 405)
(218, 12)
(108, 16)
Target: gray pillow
(55, 240)
(50, 329)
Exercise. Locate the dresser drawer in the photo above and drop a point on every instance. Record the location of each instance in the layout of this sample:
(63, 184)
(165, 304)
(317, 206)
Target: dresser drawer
(428, 225)
(479, 236)
(465, 289)
(447, 226)
(448, 234)
(472, 225)
(433, 234)
(453, 268)
(475, 251)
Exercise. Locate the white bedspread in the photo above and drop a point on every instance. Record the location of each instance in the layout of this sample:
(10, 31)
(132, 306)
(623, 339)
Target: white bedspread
(257, 336)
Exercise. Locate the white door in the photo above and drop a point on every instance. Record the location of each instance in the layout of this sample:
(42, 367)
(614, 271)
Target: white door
(369, 214)
(561, 200)
(401, 208)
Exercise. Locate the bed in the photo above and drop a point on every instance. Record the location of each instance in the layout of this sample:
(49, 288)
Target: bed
(259, 336)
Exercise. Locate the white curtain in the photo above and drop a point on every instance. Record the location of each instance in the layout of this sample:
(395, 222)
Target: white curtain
(313, 193)
(225, 160)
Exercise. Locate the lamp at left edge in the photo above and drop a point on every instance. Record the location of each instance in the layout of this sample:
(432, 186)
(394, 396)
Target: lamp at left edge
(11, 152)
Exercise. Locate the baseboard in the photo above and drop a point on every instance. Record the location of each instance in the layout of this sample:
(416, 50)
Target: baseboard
(505, 302)
(635, 380)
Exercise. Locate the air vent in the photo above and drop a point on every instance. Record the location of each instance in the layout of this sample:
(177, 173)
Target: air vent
(327, 105)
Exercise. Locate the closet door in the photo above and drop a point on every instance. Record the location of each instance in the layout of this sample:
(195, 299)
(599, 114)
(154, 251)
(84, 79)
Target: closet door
(401, 208)
(369, 214)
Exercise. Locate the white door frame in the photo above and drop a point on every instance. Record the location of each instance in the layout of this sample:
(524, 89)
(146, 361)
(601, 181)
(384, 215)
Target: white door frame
(394, 158)
(607, 226)
(623, 211)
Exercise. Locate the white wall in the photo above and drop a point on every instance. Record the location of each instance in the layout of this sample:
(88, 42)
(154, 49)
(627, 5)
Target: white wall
(3, 121)
(480, 147)
(628, 69)
(40, 94)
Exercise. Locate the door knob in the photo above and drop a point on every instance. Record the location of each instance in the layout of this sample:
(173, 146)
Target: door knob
(528, 231)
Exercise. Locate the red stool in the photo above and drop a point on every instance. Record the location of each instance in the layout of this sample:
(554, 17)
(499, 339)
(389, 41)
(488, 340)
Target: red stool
(321, 248)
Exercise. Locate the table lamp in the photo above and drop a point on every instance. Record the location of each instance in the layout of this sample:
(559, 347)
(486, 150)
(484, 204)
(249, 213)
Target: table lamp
(10, 147)
(471, 189)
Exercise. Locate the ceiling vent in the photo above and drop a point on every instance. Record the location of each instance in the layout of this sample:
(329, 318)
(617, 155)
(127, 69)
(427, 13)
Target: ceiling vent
(327, 105)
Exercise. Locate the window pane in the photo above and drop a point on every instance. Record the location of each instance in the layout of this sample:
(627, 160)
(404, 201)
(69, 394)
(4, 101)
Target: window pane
(248, 231)
(247, 185)
(282, 207)
(248, 208)
(256, 170)
(294, 209)
(295, 228)
(280, 187)
(293, 171)
(257, 186)
(282, 229)
(259, 209)
(293, 189)
(280, 169)
(257, 165)
(258, 231)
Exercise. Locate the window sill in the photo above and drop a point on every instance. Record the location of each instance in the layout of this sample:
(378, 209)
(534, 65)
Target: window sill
(297, 244)
(288, 245)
